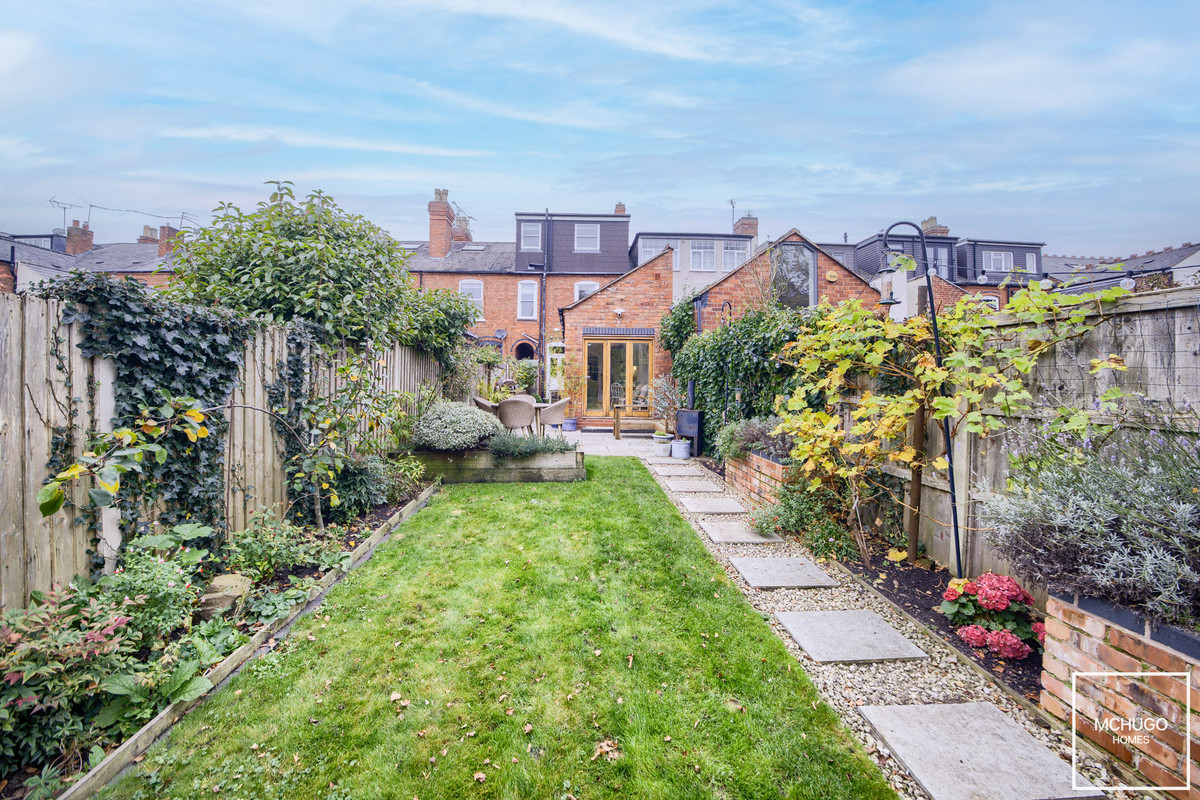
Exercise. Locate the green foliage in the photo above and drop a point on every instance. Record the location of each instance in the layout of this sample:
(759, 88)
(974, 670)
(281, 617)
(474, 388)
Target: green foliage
(810, 515)
(161, 588)
(741, 354)
(210, 641)
(1111, 515)
(404, 473)
(139, 697)
(52, 656)
(525, 373)
(454, 426)
(678, 325)
(739, 438)
(361, 484)
(276, 605)
(267, 545)
(510, 445)
(162, 350)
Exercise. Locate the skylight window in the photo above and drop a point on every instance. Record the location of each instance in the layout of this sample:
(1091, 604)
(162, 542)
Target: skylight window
(473, 247)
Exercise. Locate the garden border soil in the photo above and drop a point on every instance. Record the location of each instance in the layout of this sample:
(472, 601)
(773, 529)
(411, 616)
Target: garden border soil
(99, 776)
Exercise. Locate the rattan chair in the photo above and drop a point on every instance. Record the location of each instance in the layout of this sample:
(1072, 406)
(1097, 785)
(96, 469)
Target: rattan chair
(516, 414)
(486, 405)
(553, 414)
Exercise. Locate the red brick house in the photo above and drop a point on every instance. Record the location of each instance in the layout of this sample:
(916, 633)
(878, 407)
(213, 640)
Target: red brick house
(28, 259)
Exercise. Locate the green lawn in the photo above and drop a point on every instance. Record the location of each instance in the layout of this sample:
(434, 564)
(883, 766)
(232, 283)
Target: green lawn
(494, 641)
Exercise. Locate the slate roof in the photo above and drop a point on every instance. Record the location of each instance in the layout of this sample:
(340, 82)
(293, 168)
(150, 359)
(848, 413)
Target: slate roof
(495, 257)
(48, 261)
(1091, 277)
(123, 257)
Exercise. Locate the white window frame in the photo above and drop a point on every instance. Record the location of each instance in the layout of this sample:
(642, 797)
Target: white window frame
(990, 300)
(580, 228)
(990, 257)
(702, 248)
(1031, 262)
(581, 284)
(933, 257)
(526, 229)
(532, 288)
(740, 251)
(470, 283)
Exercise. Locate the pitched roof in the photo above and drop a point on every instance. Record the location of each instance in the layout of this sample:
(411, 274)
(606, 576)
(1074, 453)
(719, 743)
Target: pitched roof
(123, 257)
(490, 257)
(619, 278)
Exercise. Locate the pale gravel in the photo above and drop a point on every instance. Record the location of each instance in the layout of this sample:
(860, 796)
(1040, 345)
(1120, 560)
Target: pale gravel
(845, 687)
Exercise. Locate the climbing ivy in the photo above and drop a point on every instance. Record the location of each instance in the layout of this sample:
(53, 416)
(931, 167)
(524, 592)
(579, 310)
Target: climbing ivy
(161, 346)
(678, 325)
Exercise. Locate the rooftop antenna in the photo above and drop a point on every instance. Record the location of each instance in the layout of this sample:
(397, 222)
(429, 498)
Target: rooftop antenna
(458, 211)
(732, 213)
(64, 207)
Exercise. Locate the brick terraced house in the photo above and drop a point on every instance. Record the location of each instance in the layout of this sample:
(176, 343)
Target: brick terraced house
(29, 259)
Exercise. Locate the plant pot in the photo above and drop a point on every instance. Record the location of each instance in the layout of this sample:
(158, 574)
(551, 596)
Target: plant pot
(570, 424)
(681, 448)
(662, 447)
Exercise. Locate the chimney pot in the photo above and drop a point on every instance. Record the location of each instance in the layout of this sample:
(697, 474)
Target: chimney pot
(620, 209)
(747, 225)
(79, 239)
(930, 227)
(149, 235)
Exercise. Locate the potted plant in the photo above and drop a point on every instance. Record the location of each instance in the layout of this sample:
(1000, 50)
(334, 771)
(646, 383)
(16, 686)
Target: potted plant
(573, 384)
(662, 443)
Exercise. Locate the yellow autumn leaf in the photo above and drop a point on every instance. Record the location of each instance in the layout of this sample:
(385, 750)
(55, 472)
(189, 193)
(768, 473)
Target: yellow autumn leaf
(194, 415)
(190, 434)
(896, 555)
(203, 432)
(111, 488)
(939, 463)
(71, 472)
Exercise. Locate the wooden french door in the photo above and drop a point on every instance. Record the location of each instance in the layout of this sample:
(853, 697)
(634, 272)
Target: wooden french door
(618, 372)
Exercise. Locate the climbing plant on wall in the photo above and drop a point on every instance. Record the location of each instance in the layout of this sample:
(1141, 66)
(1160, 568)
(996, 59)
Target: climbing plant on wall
(158, 347)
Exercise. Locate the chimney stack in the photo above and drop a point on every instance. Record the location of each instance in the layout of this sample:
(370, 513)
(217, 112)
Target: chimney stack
(79, 239)
(461, 232)
(149, 235)
(931, 227)
(166, 239)
(748, 224)
(620, 209)
(441, 222)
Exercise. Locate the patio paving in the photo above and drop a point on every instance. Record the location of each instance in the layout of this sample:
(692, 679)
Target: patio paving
(735, 533)
(679, 471)
(963, 751)
(693, 486)
(782, 573)
(708, 504)
(848, 636)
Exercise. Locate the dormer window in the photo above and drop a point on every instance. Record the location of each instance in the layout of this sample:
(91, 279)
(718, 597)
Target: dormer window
(531, 236)
(704, 256)
(587, 237)
(997, 261)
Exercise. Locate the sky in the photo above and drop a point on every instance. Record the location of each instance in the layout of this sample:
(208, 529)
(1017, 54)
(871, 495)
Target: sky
(1076, 124)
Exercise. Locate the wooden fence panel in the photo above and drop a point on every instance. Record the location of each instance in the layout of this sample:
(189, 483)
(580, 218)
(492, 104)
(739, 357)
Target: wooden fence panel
(12, 449)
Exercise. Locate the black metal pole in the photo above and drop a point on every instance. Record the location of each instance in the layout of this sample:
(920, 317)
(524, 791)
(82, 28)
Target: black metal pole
(937, 354)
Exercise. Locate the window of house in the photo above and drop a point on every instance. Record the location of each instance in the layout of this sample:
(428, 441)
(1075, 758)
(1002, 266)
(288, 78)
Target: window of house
(991, 301)
(649, 248)
(587, 237)
(473, 290)
(527, 300)
(997, 261)
(1031, 262)
(704, 256)
(584, 288)
(531, 236)
(792, 278)
(939, 258)
(734, 255)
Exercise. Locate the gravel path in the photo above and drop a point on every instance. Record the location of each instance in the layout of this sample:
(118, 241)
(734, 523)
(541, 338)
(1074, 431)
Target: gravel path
(940, 679)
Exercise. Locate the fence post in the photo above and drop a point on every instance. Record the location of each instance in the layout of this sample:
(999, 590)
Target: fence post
(105, 373)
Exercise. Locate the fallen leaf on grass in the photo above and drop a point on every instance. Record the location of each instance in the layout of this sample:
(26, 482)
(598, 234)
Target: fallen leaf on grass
(607, 748)
(481, 777)
(528, 729)
(508, 712)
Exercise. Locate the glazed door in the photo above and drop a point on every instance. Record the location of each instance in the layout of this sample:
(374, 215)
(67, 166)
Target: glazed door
(618, 373)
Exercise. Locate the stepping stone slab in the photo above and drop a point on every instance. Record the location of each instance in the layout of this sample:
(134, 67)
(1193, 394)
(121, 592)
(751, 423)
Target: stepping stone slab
(842, 636)
(708, 504)
(782, 573)
(693, 486)
(679, 471)
(735, 532)
(963, 751)
(661, 460)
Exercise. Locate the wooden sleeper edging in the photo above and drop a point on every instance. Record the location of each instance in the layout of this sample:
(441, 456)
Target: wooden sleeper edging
(99, 776)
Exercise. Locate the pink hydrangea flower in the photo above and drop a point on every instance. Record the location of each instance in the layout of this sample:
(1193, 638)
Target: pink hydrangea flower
(951, 594)
(1006, 645)
(1039, 629)
(974, 635)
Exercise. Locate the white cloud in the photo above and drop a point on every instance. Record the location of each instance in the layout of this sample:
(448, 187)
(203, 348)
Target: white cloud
(244, 133)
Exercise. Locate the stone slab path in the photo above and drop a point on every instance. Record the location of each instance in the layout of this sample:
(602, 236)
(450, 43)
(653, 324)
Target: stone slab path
(964, 751)
(694, 486)
(841, 636)
(782, 573)
(679, 471)
(730, 532)
(710, 504)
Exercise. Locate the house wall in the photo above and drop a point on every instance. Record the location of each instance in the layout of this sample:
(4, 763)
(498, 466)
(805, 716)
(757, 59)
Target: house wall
(744, 288)
(756, 477)
(613, 258)
(868, 253)
(970, 258)
(155, 280)
(644, 295)
(685, 280)
(8, 281)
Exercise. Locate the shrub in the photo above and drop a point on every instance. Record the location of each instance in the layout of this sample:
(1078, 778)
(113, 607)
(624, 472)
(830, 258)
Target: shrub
(266, 545)
(161, 588)
(738, 438)
(454, 426)
(404, 475)
(992, 611)
(1117, 519)
(361, 485)
(510, 445)
(665, 400)
(807, 514)
(52, 656)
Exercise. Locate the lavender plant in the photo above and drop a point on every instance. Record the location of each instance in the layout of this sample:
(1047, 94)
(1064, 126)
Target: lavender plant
(1113, 513)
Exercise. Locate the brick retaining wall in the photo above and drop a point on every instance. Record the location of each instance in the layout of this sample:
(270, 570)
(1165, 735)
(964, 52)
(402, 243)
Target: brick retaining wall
(1080, 641)
(756, 477)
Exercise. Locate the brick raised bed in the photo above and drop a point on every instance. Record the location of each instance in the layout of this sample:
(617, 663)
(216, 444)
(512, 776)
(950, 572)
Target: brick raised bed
(1089, 635)
(755, 476)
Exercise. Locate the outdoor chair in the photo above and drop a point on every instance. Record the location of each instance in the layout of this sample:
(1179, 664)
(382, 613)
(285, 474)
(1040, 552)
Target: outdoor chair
(553, 414)
(528, 397)
(641, 397)
(486, 405)
(516, 414)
